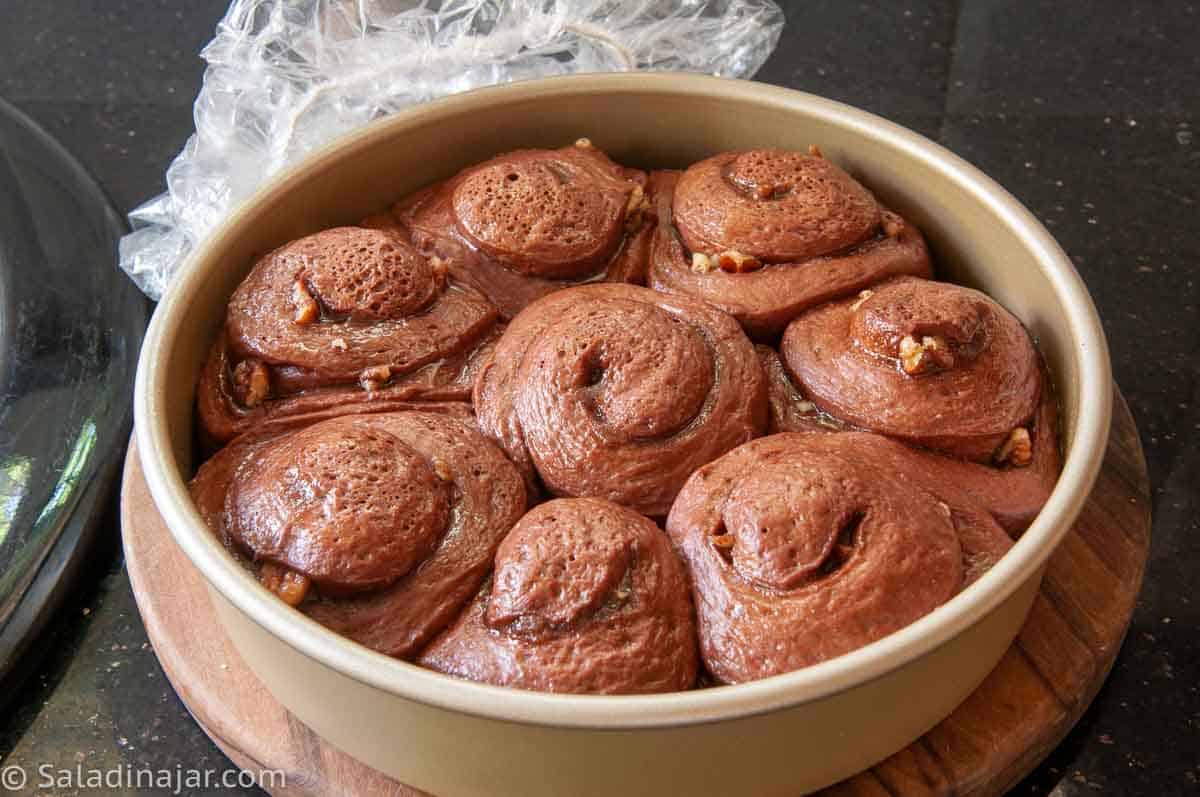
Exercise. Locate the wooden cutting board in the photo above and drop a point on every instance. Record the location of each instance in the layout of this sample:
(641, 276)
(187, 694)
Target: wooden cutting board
(997, 736)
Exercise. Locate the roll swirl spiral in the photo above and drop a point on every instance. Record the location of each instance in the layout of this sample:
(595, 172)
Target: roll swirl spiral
(766, 234)
(529, 222)
(380, 527)
(620, 392)
(944, 368)
(803, 547)
(586, 596)
(347, 318)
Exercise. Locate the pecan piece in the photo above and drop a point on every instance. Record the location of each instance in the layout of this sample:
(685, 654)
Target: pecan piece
(930, 354)
(723, 540)
(307, 309)
(251, 383)
(737, 263)
(442, 470)
(374, 378)
(290, 586)
(440, 270)
(635, 208)
(1016, 450)
(702, 263)
(862, 297)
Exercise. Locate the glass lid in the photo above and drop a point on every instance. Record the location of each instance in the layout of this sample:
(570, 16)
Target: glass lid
(70, 328)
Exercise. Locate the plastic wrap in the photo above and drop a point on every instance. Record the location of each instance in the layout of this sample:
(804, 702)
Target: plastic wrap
(285, 76)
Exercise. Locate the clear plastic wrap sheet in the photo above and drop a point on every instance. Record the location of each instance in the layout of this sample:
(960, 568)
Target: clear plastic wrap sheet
(285, 76)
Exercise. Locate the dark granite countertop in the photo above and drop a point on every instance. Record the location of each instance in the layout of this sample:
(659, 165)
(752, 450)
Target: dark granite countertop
(1089, 112)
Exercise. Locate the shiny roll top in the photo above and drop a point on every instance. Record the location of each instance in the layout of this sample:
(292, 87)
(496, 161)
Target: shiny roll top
(766, 234)
(586, 596)
(345, 319)
(529, 222)
(620, 392)
(938, 366)
(380, 527)
(406, 530)
(804, 547)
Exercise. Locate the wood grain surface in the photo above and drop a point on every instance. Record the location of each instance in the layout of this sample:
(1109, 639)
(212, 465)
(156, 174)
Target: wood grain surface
(1013, 720)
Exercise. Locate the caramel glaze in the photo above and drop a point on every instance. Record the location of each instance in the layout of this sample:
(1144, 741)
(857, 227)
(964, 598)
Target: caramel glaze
(527, 223)
(795, 231)
(842, 369)
(620, 392)
(586, 597)
(802, 547)
(380, 527)
(348, 319)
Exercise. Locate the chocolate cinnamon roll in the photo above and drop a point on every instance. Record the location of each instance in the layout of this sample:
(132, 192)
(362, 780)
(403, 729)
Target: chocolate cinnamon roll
(380, 527)
(620, 392)
(586, 596)
(766, 234)
(533, 221)
(346, 318)
(941, 367)
(804, 547)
